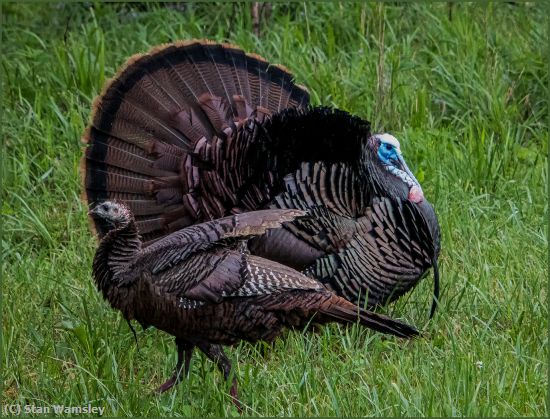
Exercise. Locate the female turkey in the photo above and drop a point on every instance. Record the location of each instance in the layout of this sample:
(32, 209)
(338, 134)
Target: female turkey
(194, 131)
(202, 286)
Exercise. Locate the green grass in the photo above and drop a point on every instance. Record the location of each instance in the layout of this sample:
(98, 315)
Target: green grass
(467, 96)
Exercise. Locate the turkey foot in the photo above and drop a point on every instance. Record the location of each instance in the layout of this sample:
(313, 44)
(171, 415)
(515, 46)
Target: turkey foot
(234, 397)
(216, 354)
(185, 351)
(168, 384)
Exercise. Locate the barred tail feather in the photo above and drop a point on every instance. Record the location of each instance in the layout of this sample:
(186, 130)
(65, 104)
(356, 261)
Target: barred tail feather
(150, 117)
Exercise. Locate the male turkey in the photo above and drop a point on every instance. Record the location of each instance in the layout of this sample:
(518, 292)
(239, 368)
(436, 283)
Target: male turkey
(194, 131)
(203, 286)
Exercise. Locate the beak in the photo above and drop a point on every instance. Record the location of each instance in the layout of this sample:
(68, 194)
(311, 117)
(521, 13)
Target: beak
(93, 212)
(405, 168)
(415, 191)
(397, 159)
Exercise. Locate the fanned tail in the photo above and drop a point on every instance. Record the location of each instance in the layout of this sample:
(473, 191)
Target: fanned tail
(165, 113)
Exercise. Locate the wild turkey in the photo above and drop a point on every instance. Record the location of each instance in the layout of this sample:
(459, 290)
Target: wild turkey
(194, 131)
(203, 286)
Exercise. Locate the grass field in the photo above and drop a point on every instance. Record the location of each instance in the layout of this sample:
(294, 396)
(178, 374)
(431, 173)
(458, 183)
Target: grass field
(463, 87)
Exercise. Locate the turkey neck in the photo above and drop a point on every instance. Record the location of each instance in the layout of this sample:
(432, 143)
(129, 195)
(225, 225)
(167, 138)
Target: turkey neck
(116, 250)
(384, 184)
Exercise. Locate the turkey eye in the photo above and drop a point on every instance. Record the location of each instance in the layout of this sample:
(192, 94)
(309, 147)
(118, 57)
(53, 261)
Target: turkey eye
(389, 146)
(104, 207)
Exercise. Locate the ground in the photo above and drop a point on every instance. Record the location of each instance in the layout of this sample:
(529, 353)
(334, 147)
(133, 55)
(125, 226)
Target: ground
(464, 87)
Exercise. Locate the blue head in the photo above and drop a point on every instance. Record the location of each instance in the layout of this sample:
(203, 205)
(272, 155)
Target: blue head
(389, 155)
(389, 151)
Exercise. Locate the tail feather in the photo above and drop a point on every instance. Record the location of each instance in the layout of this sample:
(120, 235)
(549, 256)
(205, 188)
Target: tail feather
(187, 69)
(346, 312)
(240, 73)
(224, 74)
(193, 123)
(125, 155)
(299, 97)
(218, 112)
(254, 77)
(284, 92)
(145, 207)
(265, 82)
(205, 68)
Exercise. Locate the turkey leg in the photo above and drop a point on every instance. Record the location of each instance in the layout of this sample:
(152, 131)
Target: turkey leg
(216, 354)
(185, 350)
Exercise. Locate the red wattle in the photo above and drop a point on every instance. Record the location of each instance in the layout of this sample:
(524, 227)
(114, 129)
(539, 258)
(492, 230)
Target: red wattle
(416, 195)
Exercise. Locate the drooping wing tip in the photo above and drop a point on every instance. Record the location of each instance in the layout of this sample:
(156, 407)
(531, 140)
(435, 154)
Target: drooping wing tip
(410, 331)
(400, 328)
